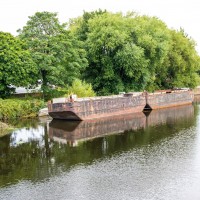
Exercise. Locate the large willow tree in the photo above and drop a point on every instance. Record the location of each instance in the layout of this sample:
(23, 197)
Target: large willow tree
(135, 53)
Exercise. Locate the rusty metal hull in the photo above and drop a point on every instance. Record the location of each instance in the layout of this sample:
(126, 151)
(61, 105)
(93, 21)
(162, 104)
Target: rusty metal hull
(165, 100)
(97, 108)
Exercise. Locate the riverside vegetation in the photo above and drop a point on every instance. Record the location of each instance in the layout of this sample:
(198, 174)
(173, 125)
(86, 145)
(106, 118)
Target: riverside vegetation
(19, 108)
(12, 109)
(5, 129)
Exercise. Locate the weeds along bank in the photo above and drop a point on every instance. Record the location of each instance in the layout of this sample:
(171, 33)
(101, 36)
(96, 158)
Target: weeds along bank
(5, 129)
(19, 108)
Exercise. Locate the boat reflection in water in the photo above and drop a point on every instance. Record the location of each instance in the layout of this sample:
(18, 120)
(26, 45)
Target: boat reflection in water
(197, 99)
(72, 132)
(170, 115)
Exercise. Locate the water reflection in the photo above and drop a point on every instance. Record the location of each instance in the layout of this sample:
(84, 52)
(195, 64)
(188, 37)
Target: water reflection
(37, 153)
(170, 115)
(72, 133)
(26, 135)
(196, 99)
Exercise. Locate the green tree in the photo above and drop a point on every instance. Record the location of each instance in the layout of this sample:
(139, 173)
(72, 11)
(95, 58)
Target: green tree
(183, 61)
(112, 54)
(131, 67)
(16, 65)
(58, 55)
(80, 27)
(152, 35)
(105, 37)
(133, 52)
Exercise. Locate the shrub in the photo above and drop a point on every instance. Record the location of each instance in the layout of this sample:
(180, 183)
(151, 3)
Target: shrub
(81, 89)
(17, 108)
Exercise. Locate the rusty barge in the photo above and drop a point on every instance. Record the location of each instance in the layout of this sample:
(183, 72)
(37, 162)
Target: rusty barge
(168, 98)
(109, 106)
(96, 107)
(73, 132)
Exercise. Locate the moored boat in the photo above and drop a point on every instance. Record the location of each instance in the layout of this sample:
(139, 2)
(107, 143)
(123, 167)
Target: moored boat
(73, 132)
(168, 98)
(96, 107)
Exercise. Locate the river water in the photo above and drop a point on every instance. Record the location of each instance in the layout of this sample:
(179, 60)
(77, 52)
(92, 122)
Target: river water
(147, 156)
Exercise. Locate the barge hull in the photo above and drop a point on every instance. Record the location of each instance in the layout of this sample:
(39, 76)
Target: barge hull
(166, 100)
(93, 108)
(72, 116)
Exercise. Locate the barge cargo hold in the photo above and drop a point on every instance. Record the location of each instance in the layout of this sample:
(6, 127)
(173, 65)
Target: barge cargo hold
(96, 107)
(168, 98)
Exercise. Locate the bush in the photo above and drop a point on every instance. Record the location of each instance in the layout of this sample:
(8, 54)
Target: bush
(81, 89)
(17, 108)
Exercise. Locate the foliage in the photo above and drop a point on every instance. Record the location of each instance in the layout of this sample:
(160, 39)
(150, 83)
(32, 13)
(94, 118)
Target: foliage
(120, 63)
(55, 93)
(183, 61)
(152, 35)
(132, 67)
(16, 108)
(79, 26)
(81, 89)
(58, 55)
(135, 52)
(16, 65)
(113, 52)
(106, 37)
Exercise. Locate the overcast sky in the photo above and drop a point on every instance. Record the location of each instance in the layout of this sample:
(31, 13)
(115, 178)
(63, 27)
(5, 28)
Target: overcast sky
(175, 13)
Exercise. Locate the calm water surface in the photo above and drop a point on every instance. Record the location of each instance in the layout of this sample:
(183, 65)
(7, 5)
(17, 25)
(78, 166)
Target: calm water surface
(145, 156)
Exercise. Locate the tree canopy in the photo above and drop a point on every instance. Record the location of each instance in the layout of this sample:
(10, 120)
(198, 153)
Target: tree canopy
(133, 53)
(183, 61)
(111, 51)
(57, 54)
(16, 65)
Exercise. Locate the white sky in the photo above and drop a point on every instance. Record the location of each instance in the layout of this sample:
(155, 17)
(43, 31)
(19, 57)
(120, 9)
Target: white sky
(175, 13)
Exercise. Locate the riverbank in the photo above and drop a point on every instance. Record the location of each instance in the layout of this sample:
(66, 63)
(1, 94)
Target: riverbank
(5, 129)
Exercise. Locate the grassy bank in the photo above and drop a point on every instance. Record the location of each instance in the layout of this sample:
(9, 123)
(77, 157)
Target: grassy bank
(4, 129)
(19, 108)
